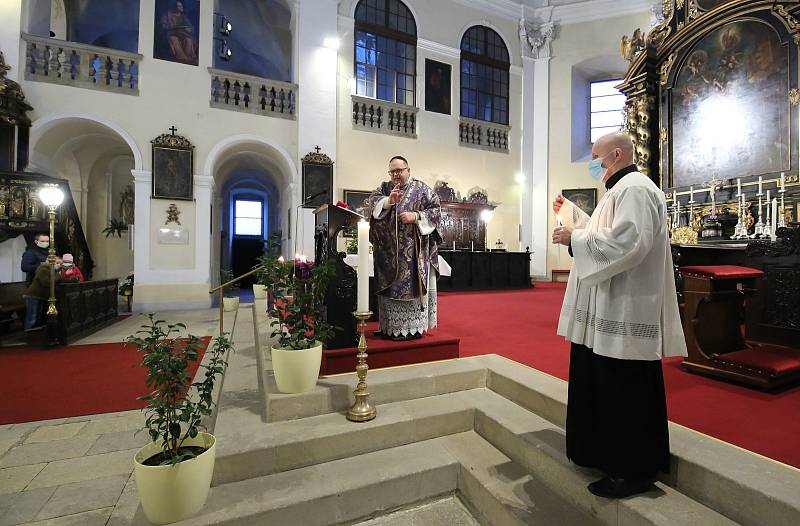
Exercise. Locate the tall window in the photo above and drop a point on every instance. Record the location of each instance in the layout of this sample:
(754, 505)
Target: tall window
(607, 107)
(386, 51)
(248, 219)
(484, 75)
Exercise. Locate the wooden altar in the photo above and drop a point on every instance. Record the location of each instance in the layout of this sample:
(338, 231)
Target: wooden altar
(463, 226)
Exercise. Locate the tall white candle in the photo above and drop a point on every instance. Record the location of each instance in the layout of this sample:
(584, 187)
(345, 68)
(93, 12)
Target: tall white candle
(760, 191)
(774, 218)
(738, 186)
(472, 246)
(678, 215)
(783, 181)
(363, 266)
(454, 245)
(691, 194)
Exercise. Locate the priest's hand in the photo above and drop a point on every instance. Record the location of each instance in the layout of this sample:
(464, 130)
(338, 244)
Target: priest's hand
(394, 197)
(408, 217)
(562, 235)
(558, 203)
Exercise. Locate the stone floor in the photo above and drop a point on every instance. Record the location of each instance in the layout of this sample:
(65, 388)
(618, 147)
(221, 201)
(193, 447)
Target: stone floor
(78, 470)
(445, 512)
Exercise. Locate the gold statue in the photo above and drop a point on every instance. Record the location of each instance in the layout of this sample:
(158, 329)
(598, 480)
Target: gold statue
(630, 47)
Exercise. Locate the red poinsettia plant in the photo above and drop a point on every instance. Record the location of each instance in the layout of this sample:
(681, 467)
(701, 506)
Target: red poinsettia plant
(298, 292)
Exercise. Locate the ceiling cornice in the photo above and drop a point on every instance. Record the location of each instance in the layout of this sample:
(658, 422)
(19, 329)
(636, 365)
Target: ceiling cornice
(564, 14)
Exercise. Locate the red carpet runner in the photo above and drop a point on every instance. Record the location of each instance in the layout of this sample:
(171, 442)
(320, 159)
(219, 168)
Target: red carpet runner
(521, 325)
(40, 384)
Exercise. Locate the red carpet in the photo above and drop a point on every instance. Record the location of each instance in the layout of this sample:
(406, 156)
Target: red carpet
(521, 325)
(76, 380)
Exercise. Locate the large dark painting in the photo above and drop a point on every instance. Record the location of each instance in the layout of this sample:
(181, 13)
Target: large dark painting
(730, 106)
(177, 23)
(317, 182)
(437, 86)
(172, 167)
(356, 200)
(583, 198)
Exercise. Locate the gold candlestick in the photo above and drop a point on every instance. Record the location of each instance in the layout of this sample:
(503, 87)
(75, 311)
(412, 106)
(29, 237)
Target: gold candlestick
(362, 409)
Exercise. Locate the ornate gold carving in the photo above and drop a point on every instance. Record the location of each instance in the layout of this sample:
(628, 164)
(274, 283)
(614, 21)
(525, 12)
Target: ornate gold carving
(680, 25)
(792, 179)
(666, 67)
(170, 140)
(13, 106)
(792, 22)
(693, 9)
(794, 96)
(629, 48)
(659, 34)
(173, 214)
(644, 105)
(316, 158)
(680, 4)
(669, 10)
(663, 134)
(684, 235)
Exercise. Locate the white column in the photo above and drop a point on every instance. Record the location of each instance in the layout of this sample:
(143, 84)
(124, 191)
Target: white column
(317, 20)
(10, 28)
(203, 191)
(142, 181)
(535, 39)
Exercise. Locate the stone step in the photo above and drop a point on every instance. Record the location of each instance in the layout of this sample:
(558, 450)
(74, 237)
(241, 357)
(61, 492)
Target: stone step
(449, 511)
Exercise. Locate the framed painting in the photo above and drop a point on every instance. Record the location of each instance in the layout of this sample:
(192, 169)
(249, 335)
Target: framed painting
(729, 108)
(584, 198)
(176, 37)
(437, 86)
(357, 201)
(317, 179)
(173, 166)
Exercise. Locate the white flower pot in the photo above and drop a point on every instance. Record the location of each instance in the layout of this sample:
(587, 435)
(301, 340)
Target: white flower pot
(259, 292)
(230, 304)
(296, 371)
(173, 493)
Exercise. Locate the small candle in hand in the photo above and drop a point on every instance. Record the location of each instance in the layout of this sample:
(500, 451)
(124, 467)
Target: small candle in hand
(363, 267)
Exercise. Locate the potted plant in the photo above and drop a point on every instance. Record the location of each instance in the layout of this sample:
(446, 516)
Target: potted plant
(230, 301)
(351, 247)
(115, 226)
(298, 288)
(173, 472)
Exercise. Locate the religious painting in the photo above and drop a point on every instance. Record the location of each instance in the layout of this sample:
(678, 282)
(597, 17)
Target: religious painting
(177, 23)
(437, 86)
(583, 198)
(356, 200)
(172, 167)
(705, 5)
(730, 106)
(121, 205)
(317, 179)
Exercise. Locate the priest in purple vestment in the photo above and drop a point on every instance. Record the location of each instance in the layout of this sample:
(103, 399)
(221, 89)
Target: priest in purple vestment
(404, 219)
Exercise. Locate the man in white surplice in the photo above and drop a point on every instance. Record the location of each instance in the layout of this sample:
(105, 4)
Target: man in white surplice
(620, 312)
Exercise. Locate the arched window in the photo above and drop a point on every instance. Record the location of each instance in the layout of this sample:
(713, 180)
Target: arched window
(385, 51)
(484, 75)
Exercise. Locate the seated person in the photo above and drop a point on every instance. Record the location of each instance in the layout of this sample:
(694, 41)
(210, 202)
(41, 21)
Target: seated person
(37, 294)
(70, 271)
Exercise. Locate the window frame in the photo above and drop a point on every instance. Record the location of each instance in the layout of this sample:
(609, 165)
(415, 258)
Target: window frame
(388, 33)
(621, 110)
(248, 199)
(494, 65)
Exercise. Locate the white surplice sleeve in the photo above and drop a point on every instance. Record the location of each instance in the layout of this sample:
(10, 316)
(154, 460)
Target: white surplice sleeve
(602, 254)
(571, 215)
(380, 207)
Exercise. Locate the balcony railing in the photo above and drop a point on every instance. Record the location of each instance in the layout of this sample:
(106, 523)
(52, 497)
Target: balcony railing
(483, 135)
(249, 94)
(81, 65)
(384, 117)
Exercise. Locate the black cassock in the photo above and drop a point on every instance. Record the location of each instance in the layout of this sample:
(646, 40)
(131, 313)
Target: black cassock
(617, 415)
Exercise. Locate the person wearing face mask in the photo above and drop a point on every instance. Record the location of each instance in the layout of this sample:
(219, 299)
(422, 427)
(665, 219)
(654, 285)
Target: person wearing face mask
(620, 313)
(34, 255)
(70, 272)
(404, 216)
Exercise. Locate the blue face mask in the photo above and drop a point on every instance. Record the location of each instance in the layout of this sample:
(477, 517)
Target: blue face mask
(596, 170)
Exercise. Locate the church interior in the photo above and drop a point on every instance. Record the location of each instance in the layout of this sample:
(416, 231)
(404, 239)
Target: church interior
(224, 166)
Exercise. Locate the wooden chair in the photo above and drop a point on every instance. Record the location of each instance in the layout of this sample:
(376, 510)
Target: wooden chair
(714, 306)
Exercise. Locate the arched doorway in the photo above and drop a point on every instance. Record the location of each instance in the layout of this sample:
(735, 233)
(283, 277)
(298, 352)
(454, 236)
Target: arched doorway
(96, 158)
(256, 176)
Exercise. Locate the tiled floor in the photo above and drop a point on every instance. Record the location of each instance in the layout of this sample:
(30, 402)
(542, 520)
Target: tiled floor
(78, 471)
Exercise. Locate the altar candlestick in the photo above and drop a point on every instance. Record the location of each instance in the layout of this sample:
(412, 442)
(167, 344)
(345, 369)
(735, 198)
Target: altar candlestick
(363, 266)
(768, 201)
(472, 245)
(678, 215)
(783, 181)
(760, 191)
(691, 194)
(738, 186)
(774, 218)
(454, 245)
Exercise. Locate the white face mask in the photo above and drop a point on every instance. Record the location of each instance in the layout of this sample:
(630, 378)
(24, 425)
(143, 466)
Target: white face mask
(67, 265)
(42, 244)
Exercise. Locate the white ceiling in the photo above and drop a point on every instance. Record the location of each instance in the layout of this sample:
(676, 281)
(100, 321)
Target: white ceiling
(564, 11)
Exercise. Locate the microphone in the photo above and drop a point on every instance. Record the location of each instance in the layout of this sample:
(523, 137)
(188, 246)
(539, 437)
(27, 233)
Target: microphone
(312, 196)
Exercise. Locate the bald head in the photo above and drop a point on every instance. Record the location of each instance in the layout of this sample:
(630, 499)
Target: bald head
(616, 150)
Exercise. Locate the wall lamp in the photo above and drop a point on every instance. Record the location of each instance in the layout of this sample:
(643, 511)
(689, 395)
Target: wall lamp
(223, 51)
(224, 25)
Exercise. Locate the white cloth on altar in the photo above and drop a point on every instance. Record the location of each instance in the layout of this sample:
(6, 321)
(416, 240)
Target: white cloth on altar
(620, 298)
(352, 260)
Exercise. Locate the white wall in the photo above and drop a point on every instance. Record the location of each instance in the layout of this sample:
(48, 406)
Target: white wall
(11, 251)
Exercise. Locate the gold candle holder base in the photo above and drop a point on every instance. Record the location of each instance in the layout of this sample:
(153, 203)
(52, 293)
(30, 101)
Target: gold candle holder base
(362, 409)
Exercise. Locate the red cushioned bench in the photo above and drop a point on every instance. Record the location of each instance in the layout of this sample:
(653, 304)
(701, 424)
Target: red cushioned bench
(712, 320)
